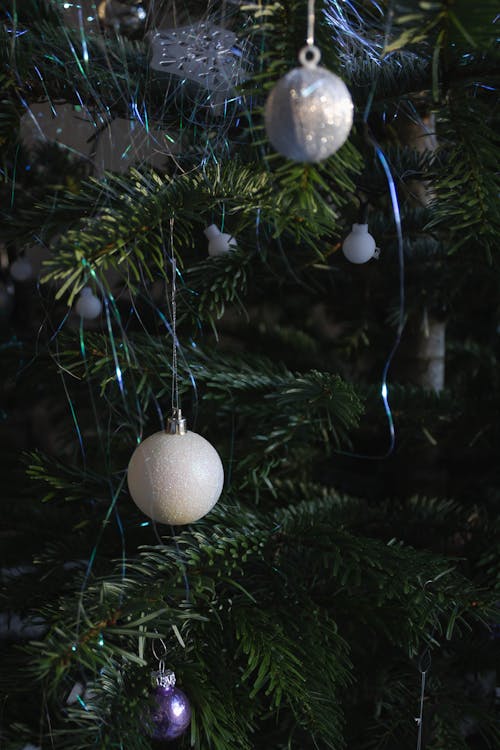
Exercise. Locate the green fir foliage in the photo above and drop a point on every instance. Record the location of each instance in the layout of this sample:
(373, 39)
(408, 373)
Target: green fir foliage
(300, 613)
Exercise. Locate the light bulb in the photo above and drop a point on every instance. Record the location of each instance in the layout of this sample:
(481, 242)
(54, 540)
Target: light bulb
(219, 243)
(21, 270)
(88, 306)
(359, 246)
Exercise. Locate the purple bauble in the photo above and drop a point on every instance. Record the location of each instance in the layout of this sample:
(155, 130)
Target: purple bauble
(171, 713)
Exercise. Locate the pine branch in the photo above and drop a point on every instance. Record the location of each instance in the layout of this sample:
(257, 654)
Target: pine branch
(467, 186)
(227, 570)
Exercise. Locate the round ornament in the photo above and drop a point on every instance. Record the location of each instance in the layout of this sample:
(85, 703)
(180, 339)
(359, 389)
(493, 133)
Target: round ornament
(126, 17)
(171, 712)
(21, 270)
(219, 243)
(175, 477)
(88, 305)
(359, 245)
(309, 112)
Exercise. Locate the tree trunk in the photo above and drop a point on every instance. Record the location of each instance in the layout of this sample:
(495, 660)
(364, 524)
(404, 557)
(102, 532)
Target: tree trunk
(423, 356)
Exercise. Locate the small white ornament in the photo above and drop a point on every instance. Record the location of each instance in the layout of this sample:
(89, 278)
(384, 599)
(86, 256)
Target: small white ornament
(21, 270)
(219, 243)
(359, 245)
(88, 305)
(309, 112)
(175, 477)
(207, 54)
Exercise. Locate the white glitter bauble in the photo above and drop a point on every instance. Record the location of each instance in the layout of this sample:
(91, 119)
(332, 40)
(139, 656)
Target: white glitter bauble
(359, 245)
(88, 306)
(175, 479)
(308, 114)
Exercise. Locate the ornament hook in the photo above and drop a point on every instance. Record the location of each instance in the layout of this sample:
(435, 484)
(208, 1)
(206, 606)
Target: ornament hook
(160, 657)
(309, 56)
(161, 677)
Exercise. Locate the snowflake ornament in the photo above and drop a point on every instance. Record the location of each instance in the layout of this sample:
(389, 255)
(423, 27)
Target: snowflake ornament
(207, 54)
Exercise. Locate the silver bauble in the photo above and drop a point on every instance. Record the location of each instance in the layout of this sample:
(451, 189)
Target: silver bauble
(308, 114)
(126, 18)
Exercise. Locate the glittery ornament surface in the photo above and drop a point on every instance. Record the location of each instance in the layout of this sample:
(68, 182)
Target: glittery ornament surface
(175, 479)
(204, 53)
(171, 713)
(308, 114)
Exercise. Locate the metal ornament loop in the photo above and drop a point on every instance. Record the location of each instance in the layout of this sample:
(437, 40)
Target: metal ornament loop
(309, 56)
(161, 677)
(160, 657)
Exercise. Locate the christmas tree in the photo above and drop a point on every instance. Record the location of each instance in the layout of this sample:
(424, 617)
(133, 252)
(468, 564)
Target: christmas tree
(322, 303)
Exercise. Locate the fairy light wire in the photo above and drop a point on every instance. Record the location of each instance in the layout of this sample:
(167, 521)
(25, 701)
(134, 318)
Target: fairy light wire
(420, 718)
(424, 664)
(384, 389)
(370, 139)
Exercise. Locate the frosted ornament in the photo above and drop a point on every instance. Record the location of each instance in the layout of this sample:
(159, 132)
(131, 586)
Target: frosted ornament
(309, 112)
(175, 477)
(88, 306)
(209, 55)
(219, 243)
(359, 246)
(21, 270)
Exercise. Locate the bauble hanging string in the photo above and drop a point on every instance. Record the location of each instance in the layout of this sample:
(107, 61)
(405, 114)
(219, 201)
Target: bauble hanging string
(175, 476)
(309, 112)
